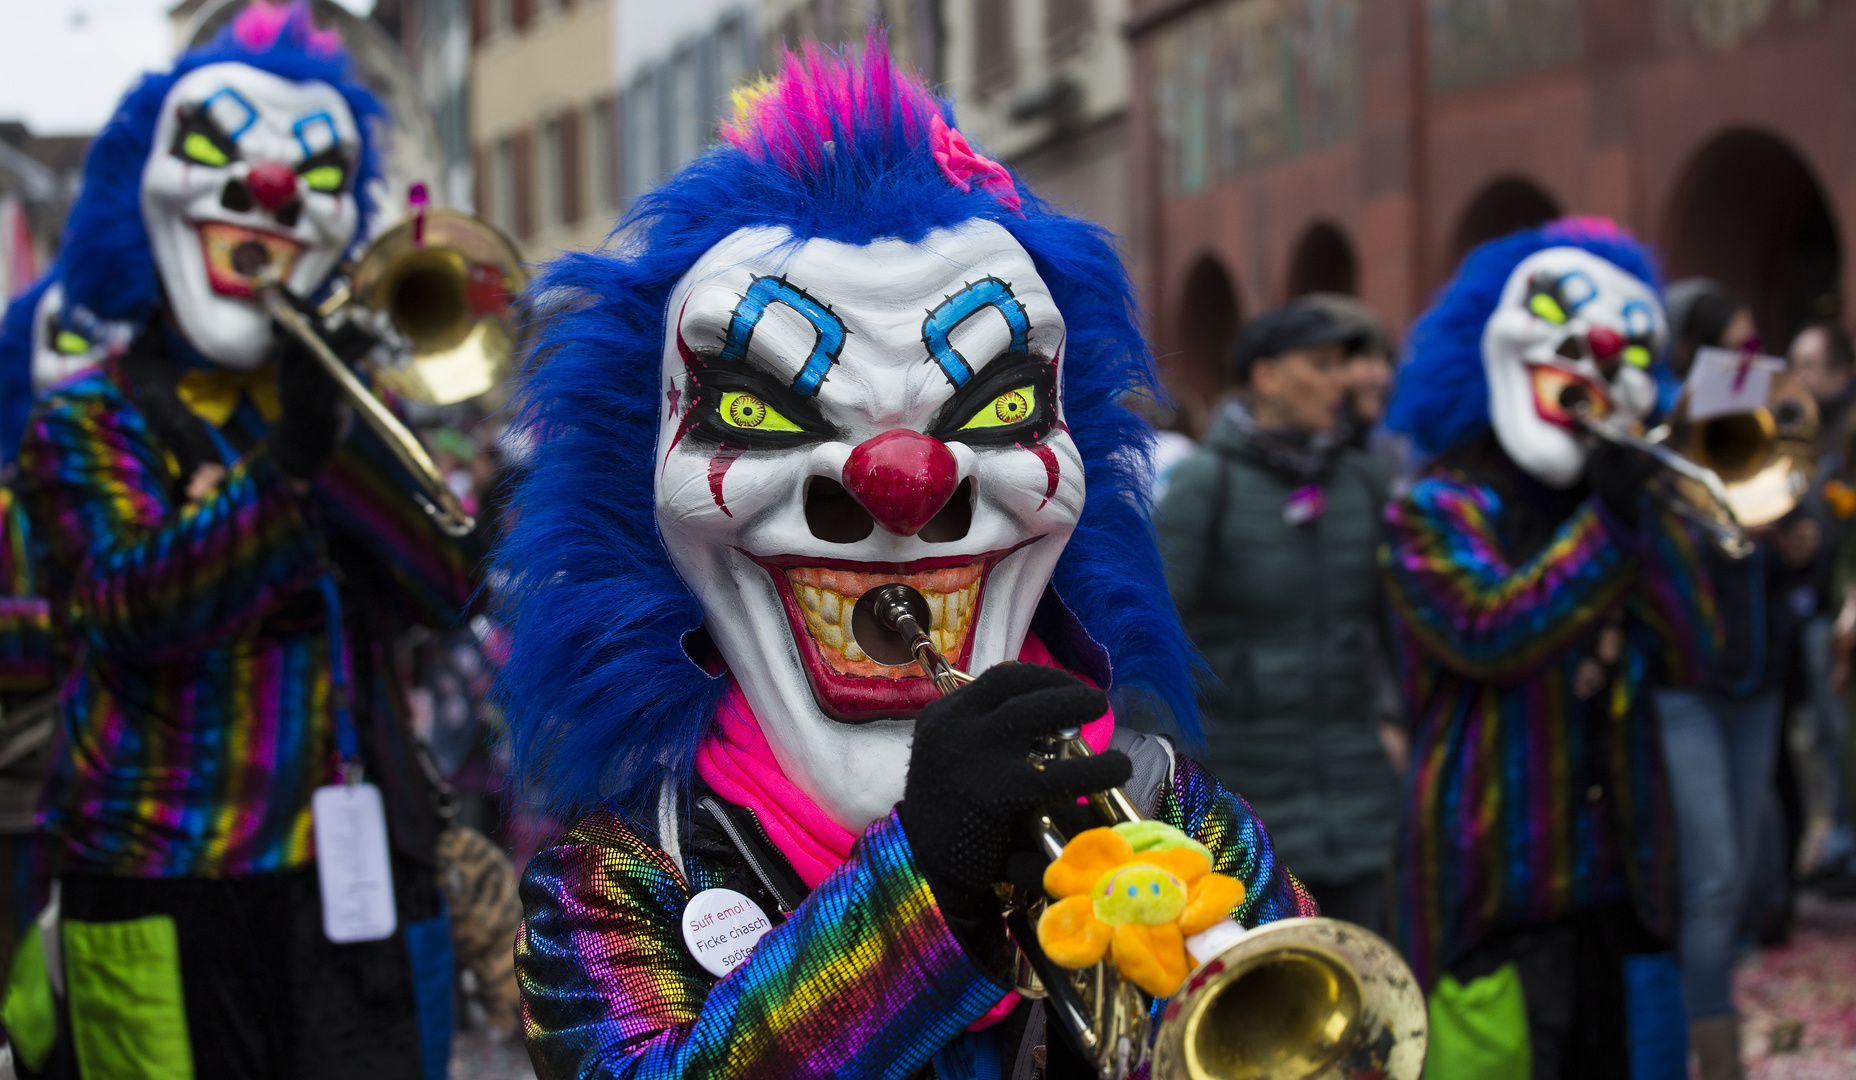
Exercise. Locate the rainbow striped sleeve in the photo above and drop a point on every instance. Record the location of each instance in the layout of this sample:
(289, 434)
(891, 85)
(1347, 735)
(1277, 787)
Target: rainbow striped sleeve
(25, 615)
(865, 979)
(1212, 814)
(150, 580)
(364, 493)
(1447, 577)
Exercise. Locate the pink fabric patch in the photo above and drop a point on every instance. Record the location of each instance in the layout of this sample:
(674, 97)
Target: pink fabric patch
(735, 759)
(964, 168)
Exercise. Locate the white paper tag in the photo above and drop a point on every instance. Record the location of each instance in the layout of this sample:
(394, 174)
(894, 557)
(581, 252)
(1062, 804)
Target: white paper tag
(1723, 382)
(721, 927)
(351, 862)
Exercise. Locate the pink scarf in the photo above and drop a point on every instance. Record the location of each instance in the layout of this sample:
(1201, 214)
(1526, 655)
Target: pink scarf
(735, 760)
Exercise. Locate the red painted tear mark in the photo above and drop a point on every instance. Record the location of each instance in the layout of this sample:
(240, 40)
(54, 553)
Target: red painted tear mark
(1051, 473)
(718, 468)
(690, 364)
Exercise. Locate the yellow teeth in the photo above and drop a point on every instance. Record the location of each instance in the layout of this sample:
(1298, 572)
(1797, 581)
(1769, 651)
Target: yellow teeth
(828, 618)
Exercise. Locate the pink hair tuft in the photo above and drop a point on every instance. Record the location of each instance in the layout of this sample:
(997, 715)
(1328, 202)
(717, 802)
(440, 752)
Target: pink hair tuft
(261, 25)
(820, 98)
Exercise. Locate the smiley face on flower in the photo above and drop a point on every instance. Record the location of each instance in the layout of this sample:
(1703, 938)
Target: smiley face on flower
(1138, 889)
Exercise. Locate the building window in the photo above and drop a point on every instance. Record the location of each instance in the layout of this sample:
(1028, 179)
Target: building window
(687, 118)
(1067, 27)
(503, 186)
(992, 46)
(552, 178)
(603, 180)
(640, 132)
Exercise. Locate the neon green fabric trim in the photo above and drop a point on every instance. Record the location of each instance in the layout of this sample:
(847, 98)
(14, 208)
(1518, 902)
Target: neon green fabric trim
(128, 1018)
(29, 1013)
(1480, 1030)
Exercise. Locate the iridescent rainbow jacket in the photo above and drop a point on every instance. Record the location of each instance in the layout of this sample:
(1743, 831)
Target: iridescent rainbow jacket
(1536, 784)
(199, 711)
(864, 979)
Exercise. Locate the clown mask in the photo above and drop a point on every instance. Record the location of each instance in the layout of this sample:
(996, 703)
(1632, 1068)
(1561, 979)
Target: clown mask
(1570, 328)
(837, 417)
(247, 170)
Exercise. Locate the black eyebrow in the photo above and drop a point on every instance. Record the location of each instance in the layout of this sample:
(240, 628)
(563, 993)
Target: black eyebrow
(196, 120)
(1005, 372)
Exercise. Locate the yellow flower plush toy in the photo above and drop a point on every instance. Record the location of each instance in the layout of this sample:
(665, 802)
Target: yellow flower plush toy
(1139, 888)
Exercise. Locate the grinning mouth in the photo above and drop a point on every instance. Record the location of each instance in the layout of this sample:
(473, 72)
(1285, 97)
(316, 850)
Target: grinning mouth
(1557, 390)
(819, 598)
(220, 241)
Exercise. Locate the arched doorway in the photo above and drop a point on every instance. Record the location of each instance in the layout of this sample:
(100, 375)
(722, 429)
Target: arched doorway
(1323, 262)
(1208, 319)
(1504, 206)
(1748, 212)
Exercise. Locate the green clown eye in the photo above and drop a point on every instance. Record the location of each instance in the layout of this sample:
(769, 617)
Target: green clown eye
(1637, 356)
(1547, 308)
(325, 178)
(70, 344)
(749, 412)
(199, 148)
(1008, 408)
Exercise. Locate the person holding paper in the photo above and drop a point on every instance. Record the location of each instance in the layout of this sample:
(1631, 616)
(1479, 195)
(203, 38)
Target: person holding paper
(232, 569)
(1539, 593)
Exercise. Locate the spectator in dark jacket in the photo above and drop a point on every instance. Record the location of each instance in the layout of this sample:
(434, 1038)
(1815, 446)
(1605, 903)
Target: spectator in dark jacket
(1271, 528)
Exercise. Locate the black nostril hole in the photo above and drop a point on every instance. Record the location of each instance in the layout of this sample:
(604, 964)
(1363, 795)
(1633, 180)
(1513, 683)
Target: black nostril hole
(237, 197)
(955, 518)
(288, 213)
(833, 516)
(1572, 348)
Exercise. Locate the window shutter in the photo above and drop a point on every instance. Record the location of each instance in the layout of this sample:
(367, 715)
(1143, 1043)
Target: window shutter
(525, 184)
(479, 22)
(573, 168)
(520, 11)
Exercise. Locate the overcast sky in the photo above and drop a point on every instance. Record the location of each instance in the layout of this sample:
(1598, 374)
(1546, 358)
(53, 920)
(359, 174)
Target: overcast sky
(64, 63)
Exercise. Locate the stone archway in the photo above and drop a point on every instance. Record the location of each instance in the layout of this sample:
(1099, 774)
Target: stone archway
(1206, 330)
(1503, 206)
(1323, 262)
(1748, 211)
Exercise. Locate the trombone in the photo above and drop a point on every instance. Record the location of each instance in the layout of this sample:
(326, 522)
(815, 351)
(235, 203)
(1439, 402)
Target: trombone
(444, 282)
(1297, 999)
(1729, 473)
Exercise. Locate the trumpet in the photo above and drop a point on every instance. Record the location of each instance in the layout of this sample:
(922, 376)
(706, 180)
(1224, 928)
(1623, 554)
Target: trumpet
(1297, 999)
(1730, 473)
(443, 282)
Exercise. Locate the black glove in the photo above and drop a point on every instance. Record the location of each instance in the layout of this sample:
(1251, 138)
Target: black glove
(971, 786)
(1617, 475)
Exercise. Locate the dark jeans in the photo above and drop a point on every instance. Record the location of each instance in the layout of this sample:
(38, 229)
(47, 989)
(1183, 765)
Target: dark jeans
(266, 994)
(1361, 901)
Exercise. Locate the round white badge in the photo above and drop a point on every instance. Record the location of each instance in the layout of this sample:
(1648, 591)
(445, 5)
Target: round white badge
(721, 927)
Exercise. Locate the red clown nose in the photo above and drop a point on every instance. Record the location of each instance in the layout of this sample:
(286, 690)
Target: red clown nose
(271, 183)
(902, 477)
(1605, 342)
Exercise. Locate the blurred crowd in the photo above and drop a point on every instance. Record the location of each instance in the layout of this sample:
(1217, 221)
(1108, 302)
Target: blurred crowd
(1274, 524)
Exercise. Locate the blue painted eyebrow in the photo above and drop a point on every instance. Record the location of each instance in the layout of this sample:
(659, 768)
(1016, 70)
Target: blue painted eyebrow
(763, 294)
(303, 127)
(979, 295)
(225, 94)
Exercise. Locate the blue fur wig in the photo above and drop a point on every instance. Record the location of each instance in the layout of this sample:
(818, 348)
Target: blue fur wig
(600, 694)
(1442, 397)
(106, 265)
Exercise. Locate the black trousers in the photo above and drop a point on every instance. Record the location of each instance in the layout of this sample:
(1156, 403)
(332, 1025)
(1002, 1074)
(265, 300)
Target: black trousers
(1572, 973)
(266, 994)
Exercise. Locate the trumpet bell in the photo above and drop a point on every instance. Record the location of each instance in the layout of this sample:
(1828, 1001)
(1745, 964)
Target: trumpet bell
(1765, 458)
(1299, 999)
(446, 281)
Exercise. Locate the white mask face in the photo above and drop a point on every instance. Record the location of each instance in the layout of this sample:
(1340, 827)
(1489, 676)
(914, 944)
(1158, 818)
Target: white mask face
(836, 417)
(1569, 323)
(59, 353)
(246, 161)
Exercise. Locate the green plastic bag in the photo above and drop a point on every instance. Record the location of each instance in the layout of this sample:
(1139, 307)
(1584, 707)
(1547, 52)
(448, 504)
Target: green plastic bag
(29, 1012)
(1479, 1031)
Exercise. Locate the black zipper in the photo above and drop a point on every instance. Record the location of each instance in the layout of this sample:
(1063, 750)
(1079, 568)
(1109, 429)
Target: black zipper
(785, 903)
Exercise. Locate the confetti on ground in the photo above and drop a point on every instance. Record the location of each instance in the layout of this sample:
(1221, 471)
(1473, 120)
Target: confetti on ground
(1799, 1001)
